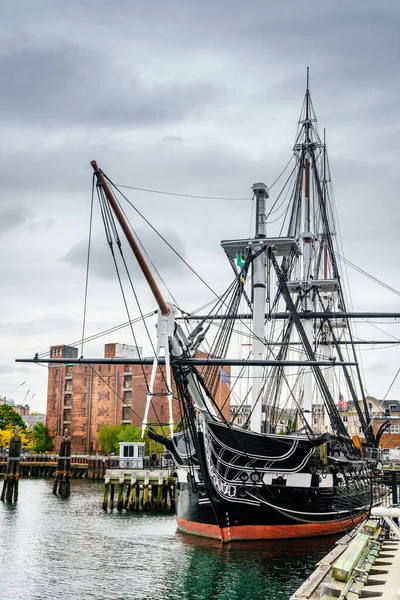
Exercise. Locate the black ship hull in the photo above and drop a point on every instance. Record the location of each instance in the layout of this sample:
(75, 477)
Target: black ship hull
(233, 522)
(249, 486)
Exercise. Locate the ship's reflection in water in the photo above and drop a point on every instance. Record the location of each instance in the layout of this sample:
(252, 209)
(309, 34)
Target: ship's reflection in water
(70, 549)
(247, 570)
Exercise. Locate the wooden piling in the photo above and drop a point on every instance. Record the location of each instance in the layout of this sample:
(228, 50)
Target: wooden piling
(139, 490)
(120, 501)
(112, 497)
(106, 492)
(11, 476)
(63, 473)
(132, 495)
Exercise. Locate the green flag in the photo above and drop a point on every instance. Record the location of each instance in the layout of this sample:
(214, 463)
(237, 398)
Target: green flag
(240, 259)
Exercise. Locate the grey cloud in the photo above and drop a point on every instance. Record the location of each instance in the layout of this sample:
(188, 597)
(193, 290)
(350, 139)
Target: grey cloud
(102, 264)
(193, 97)
(61, 83)
(37, 326)
(13, 216)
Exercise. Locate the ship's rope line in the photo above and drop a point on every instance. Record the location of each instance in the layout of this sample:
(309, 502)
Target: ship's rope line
(372, 277)
(273, 210)
(279, 176)
(160, 424)
(95, 336)
(198, 197)
(391, 385)
(87, 264)
(154, 267)
(130, 281)
(291, 516)
(347, 374)
(164, 193)
(168, 244)
(110, 225)
(332, 255)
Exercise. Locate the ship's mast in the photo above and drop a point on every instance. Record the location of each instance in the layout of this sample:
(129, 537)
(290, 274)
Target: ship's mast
(259, 297)
(308, 259)
(327, 338)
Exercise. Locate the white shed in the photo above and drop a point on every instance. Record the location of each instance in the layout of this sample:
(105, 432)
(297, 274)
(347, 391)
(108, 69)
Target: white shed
(131, 455)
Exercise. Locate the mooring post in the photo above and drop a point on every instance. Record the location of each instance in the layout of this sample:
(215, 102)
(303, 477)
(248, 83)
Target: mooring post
(120, 501)
(127, 494)
(62, 480)
(11, 476)
(106, 491)
(132, 494)
(112, 497)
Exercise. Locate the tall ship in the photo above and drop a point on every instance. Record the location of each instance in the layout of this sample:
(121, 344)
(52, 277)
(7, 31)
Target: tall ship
(288, 467)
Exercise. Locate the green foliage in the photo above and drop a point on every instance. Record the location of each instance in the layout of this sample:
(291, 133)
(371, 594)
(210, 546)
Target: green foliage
(10, 417)
(42, 442)
(108, 438)
(130, 433)
(152, 446)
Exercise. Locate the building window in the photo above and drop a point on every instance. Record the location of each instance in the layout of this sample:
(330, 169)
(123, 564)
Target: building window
(67, 400)
(140, 451)
(344, 418)
(67, 415)
(127, 397)
(128, 451)
(395, 429)
(126, 413)
(392, 407)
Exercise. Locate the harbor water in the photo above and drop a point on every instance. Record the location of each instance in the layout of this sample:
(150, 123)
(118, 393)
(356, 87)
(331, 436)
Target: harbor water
(69, 548)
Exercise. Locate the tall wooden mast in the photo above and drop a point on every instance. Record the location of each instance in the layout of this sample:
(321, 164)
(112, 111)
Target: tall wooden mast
(131, 240)
(307, 249)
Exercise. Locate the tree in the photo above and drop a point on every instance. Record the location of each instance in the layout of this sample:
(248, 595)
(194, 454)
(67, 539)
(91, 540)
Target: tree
(6, 435)
(108, 438)
(130, 433)
(10, 417)
(42, 442)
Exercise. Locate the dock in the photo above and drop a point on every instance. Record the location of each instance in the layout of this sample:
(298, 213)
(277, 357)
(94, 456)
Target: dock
(93, 467)
(139, 490)
(363, 564)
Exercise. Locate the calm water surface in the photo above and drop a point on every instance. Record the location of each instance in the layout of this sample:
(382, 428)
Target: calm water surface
(69, 549)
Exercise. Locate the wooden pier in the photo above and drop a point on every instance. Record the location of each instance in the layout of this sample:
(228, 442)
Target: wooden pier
(364, 564)
(46, 465)
(139, 490)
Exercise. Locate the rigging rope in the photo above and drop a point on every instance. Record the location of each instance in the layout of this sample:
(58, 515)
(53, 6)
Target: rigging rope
(87, 264)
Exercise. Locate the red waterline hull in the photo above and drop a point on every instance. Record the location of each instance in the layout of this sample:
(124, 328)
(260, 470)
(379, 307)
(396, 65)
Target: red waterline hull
(266, 532)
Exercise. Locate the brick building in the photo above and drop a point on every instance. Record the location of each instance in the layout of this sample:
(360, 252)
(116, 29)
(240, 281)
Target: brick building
(83, 398)
(390, 440)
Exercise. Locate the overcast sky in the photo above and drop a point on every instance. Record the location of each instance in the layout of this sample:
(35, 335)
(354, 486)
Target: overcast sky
(193, 97)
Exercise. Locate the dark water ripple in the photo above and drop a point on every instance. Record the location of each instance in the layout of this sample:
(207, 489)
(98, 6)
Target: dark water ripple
(69, 549)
